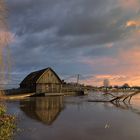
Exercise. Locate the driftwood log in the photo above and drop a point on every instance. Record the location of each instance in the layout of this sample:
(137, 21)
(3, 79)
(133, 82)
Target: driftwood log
(122, 98)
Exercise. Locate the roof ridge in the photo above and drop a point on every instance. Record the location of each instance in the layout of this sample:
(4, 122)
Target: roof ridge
(34, 76)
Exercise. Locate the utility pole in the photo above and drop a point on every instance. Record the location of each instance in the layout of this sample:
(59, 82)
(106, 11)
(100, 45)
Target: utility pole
(78, 77)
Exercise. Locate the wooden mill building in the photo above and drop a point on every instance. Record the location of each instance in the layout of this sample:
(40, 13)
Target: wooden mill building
(42, 81)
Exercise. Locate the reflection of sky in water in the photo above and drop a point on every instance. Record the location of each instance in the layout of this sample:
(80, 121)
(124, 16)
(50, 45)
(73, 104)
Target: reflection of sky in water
(82, 120)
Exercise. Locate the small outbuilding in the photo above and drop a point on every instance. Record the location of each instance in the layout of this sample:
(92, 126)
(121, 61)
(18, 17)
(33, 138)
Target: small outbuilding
(42, 81)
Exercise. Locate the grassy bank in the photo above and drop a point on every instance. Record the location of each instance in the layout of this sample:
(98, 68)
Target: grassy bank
(7, 124)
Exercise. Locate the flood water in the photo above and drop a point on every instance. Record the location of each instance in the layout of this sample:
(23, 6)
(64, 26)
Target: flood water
(74, 118)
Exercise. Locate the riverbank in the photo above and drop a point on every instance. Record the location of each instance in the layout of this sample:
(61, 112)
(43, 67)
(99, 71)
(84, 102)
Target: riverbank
(7, 124)
(14, 94)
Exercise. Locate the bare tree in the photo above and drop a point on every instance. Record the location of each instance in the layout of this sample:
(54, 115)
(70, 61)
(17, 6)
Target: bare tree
(106, 83)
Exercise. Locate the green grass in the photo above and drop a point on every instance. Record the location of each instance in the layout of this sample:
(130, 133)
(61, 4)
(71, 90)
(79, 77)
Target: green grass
(7, 124)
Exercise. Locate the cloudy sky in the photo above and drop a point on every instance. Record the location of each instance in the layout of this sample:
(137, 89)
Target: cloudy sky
(97, 39)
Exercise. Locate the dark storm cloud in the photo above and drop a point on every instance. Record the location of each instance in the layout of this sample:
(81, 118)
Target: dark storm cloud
(93, 19)
(58, 33)
(70, 18)
(100, 51)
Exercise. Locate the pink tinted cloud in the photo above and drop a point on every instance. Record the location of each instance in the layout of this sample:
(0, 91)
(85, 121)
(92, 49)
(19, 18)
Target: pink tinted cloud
(100, 61)
(97, 80)
(133, 23)
(126, 65)
(131, 56)
(130, 4)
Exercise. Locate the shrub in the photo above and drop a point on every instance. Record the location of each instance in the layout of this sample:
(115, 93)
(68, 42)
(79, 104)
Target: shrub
(2, 110)
(7, 124)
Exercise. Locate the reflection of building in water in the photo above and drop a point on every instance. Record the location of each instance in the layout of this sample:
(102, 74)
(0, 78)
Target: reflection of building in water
(45, 110)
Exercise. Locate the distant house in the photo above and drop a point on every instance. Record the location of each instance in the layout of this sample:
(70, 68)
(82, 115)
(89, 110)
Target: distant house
(42, 81)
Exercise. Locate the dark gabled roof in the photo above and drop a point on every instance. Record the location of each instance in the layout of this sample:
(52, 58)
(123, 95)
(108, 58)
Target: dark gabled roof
(34, 76)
